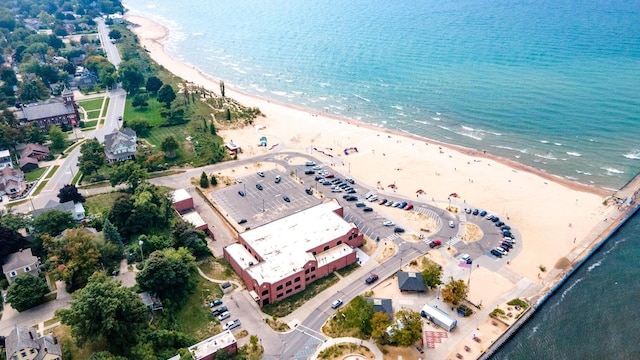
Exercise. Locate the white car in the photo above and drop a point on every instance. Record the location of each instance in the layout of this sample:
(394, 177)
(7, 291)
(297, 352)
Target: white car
(336, 190)
(336, 304)
(231, 324)
(451, 224)
(501, 251)
(239, 180)
(388, 223)
(224, 315)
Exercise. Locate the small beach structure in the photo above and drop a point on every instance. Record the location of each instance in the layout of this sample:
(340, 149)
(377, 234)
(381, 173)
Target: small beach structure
(350, 150)
(438, 317)
(263, 141)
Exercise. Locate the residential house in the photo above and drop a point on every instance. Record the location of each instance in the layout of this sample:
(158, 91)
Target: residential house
(31, 154)
(208, 348)
(120, 145)
(11, 181)
(24, 343)
(381, 305)
(281, 258)
(411, 281)
(58, 112)
(75, 209)
(5, 159)
(152, 303)
(20, 262)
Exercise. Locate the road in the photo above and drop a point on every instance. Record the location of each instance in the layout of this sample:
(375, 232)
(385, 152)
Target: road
(109, 48)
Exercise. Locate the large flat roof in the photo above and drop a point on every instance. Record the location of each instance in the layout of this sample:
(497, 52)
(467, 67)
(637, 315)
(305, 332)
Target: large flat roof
(179, 195)
(194, 219)
(212, 344)
(285, 243)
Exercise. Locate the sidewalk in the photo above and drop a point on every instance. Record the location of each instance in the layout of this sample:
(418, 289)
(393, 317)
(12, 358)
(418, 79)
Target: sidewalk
(335, 341)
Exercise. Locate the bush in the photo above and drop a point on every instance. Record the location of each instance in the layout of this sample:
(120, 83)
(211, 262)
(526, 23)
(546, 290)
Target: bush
(519, 302)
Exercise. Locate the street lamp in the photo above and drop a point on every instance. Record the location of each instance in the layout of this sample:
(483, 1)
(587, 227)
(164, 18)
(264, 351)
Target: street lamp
(140, 242)
(262, 204)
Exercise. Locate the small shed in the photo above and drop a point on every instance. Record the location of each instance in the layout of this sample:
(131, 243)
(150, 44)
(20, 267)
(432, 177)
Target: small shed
(411, 281)
(233, 148)
(438, 317)
(182, 201)
(382, 305)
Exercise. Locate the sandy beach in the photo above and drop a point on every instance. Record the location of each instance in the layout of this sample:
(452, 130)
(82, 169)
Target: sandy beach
(554, 216)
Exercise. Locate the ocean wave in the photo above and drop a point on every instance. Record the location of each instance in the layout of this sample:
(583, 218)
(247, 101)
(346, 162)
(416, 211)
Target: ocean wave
(468, 128)
(268, 75)
(444, 127)
(570, 288)
(361, 97)
(279, 93)
(572, 178)
(523, 151)
(397, 107)
(583, 172)
(595, 265)
(197, 33)
(435, 118)
(475, 137)
(402, 114)
(422, 122)
(634, 155)
(325, 84)
(557, 144)
(544, 141)
(611, 170)
(239, 70)
(437, 113)
(548, 156)
(573, 153)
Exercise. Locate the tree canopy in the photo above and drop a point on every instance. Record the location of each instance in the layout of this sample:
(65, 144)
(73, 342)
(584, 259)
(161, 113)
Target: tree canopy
(169, 146)
(58, 138)
(166, 95)
(454, 291)
(432, 275)
(53, 222)
(70, 193)
(170, 273)
(105, 311)
(92, 156)
(73, 257)
(27, 291)
(411, 330)
(128, 172)
(10, 242)
(153, 84)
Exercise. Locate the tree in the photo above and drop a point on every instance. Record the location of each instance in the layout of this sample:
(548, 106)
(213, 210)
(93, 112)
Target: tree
(166, 95)
(105, 355)
(130, 74)
(128, 172)
(10, 241)
(214, 180)
(120, 213)
(379, 324)
(8, 118)
(115, 34)
(53, 222)
(111, 234)
(411, 329)
(212, 129)
(33, 90)
(140, 100)
(455, 291)
(170, 273)
(153, 84)
(169, 146)
(33, 134)
(70, 193)
(14, 221)
(58, 138)
(186, 235)
(92, 156)
(222, 88)
(27, 291)
(432, 275)
(204, 180)
(74, 257)
(359, 314)
(105, 311)
(227, 114)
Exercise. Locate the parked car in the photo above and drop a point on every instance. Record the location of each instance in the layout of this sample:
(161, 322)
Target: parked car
(383, 201)
(310, 163)
(351, 191)
(490, 216)
(476, 211)
(388, 223)
(286, 198)
(434, 243)
(495, 219)
(467, 210)
(309, 172)
(326, 182)
(398, 230)
(308, 191)
(466, 258)
(483, 213)
(371, 279)
(218, 311)
(373, 198)
(231, 324)
(501, 251)
(336, 304)
(402, 205)
(319, 178)
(367, 209)
(507, 244)
(239, 180)
(389, 203)
(496, 253)
(499, 224)
(336, 190)
(352, 198)
(224, 315)
(216, 302)
(505, 227)
(350, 181)
(330, 175)
(408, 207)
(242, 221)
(241, 193)
(260, 173)
(451, 224)
(278, 178)
(317, 167)
(361, 204)
(259, 186)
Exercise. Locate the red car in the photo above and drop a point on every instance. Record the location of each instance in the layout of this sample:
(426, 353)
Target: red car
(408, 207)
(371, 279)
(434, 243)
(329, 176)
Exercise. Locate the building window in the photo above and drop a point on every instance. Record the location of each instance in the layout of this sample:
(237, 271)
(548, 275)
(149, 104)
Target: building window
(313, 277)
(306, 271)
(289, 291)
(297, 279)
(265, 292)
(297, 287)
(14, 274)
(23, 354)
(339, 242)
(27, 269)
(32, 351)
(314, 253)
(279, 287)
(288, 283)
(313, 268)
(326, 248)
(280, 295)
(306, 279)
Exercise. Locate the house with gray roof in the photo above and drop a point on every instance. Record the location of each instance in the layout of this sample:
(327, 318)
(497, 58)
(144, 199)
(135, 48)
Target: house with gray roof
(411, 281)
(21, 262)
(75, 209)
(60, 111)
(381, 305)
(24, 343)
(120, 145)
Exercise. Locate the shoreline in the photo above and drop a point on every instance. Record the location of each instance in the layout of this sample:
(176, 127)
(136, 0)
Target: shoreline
(539, 204)
(236, 94)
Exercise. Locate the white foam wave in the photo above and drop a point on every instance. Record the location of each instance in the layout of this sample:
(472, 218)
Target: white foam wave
(583, 172)
(593, 266)
(611, 170)
(524, 151)
(548, 156)
(280, 93)
(476, 137)
(570, 288)
(573, 153)
(397, 107)
(323, 98)
(288, 80)
(362, 98)
(438, 113)
(557, 144)
(544, 141)
(402, 114)
(435, 118)
(325, 84)
(444, 127)
(634, 155)
(267, 75)
(198, 33)
(422, 122)
(239, 70)
(468, 128)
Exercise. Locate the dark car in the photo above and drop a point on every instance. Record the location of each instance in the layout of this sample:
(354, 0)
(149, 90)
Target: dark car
(483, 213)
(286, 198)
(308, 191)
(319, 178)
(496, 253)
(398, 230)
(402, 205)
(371, 279)
(352, 198)
(507, 244)
(434, 243)
(259, 187)
(495, 219)
(346, 196)
(351, 191)
(310, 163)
(242, 221)
(241, 193)
(383, 201)
(344, 186)
(216, 302)
(476, 211)
(218, 311)
(508, 234)
(309, 172)
(330, 175)
(499, 224)
(326, 182)
(505, 227)
(505, 247)
(349, 180)
(367, 209)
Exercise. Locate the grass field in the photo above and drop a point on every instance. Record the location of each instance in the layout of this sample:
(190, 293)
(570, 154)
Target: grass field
(91, 123)
(149, 113)
(39, 188)
(35, 174)
(195, 317)
(93, 114)
(92, 104)
(97, 204)
(53, 171)
(158, 134)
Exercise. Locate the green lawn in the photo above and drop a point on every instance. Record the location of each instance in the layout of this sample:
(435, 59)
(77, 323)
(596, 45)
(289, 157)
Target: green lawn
(149, 113)
(92, 104)
(195, 317)
(158, 134)
(53, 171)
(93, 114)
(91, 123)
(39, 188)
(97, 204)
(35, 174)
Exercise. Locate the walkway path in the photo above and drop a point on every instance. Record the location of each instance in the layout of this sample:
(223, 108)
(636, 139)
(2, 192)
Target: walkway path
(335, 341)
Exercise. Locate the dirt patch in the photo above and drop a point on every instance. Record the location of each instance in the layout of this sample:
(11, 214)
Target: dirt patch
(472, 232)
(420, 263)
(369, 246)
(563, 263)
(388, 250)
(486, 333)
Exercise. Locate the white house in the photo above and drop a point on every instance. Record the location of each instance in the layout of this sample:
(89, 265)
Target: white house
(120, 145)
(5, 159)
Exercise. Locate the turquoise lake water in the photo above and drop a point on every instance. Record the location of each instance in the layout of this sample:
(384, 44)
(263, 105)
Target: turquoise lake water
(551, 84)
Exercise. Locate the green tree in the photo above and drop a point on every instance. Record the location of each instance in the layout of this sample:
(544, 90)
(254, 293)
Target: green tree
(214, 180)
(70, 193)
(140, 100)
(53, 222)
(58, 139)
(227, 114)
(171, 273)
(169, 146)
(153, 84)
(27, 291)
(454, 291)
(33, 90)
(13, 221)
(10, 241)
(432, 275)
(104, 311)
(166, 95)
(120, 214)
(92, 156)
(33, 134)
(128, 172)
(111, 234)
(9, 136)
(115, 34)
(8, 118)
(204, 180)
(359, 314)
(74, 257)
(379, 324)
(186, 235)
(105, 355)
(212, 129)
(131, 76)
(411, 330)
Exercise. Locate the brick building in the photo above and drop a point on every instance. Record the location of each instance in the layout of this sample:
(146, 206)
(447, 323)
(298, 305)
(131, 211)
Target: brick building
(53, 112)
(280, 258)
